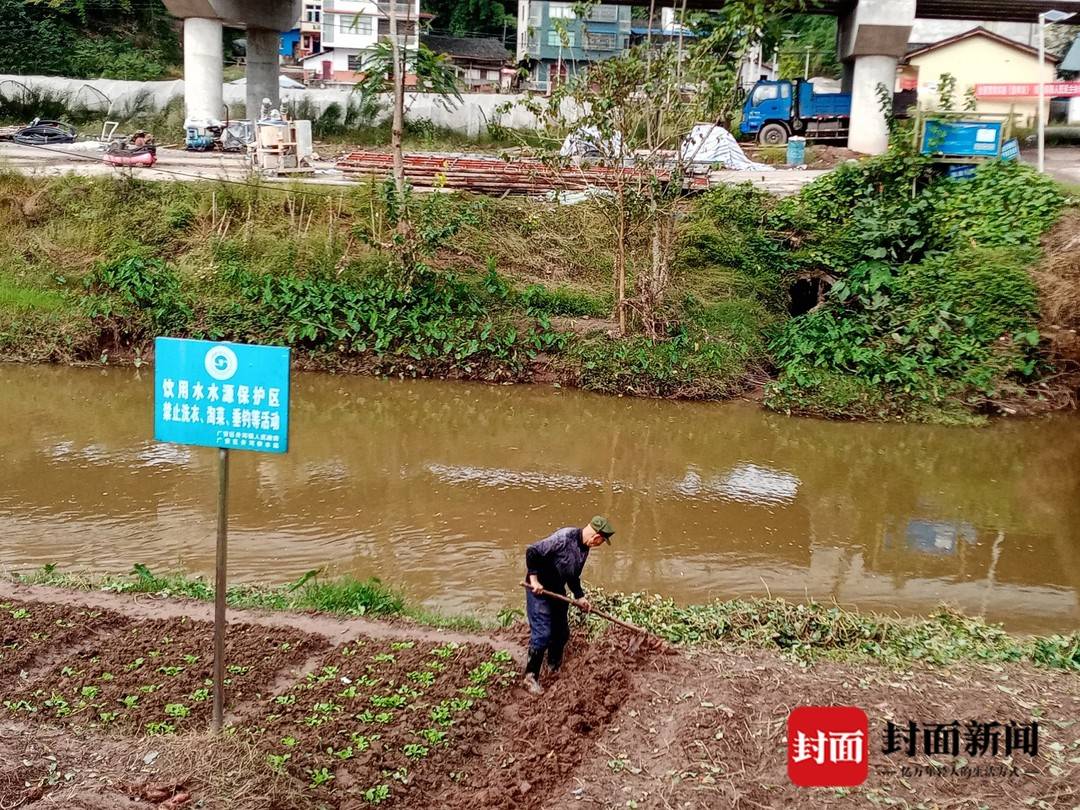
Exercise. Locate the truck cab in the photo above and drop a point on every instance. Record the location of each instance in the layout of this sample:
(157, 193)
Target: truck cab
(769, 103)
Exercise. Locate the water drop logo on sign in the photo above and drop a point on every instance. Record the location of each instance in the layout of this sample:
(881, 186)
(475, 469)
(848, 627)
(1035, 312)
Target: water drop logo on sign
(228, 395)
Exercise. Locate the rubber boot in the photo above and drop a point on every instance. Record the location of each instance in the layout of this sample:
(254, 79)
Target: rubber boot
(532, 683)
(532, 672)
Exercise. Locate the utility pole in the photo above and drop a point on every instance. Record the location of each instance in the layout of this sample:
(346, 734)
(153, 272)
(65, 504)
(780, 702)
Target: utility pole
(397, 124)
(1052, 16)
(1042, 92)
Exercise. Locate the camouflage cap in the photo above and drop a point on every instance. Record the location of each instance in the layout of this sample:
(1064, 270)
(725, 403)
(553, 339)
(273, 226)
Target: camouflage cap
(603, 526)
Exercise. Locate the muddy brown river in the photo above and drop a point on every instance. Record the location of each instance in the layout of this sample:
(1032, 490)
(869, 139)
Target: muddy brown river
(437, 488)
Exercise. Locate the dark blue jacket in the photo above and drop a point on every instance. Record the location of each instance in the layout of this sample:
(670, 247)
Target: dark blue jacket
(557, 561)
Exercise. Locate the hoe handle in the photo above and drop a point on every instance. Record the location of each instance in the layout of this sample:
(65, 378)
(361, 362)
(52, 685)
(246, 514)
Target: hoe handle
(632, 627)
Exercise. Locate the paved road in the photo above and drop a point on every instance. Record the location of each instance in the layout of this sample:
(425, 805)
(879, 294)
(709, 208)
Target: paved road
(1062, 162)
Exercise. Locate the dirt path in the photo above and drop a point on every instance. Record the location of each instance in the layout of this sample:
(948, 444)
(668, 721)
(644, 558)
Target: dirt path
(335, 630)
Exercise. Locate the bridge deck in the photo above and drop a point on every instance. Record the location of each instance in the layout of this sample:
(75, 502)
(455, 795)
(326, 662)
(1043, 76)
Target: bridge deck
(993, 10)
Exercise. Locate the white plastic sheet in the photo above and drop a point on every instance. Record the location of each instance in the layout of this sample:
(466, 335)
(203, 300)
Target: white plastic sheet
(587, 141)
(710, 143)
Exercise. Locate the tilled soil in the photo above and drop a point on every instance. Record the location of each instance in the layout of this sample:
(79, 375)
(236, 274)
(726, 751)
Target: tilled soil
(30, 631)
(352, 720)
(155, 676)
(376, 717)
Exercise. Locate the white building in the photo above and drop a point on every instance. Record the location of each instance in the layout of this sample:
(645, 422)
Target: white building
(350, 30)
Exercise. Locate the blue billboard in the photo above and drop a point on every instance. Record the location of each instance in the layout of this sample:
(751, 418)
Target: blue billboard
(227, 395)
(962, 138)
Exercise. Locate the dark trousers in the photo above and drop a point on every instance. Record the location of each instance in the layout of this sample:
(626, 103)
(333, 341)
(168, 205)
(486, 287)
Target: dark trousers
(549, 631)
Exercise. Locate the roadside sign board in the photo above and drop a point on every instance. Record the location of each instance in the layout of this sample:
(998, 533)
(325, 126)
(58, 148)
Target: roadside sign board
(1010, 150)
(961, 171)
(227, 395)
(1052, 90)
(962, 138)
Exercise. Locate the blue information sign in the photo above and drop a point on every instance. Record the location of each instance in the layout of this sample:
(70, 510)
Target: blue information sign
(962, 138)
(1010, 150)
(227, 395)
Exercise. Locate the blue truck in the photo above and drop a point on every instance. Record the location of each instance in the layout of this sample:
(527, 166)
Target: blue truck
(776, 110)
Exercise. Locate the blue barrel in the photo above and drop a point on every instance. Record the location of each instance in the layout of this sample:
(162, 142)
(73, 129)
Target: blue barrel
(796, 151)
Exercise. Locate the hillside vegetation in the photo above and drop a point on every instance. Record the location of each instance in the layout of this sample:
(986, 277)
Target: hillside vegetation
(857, 298)
(88, 39)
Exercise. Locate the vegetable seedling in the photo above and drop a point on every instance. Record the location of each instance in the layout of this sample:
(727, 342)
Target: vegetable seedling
(377, 794)
(177, 710)
(320, 776)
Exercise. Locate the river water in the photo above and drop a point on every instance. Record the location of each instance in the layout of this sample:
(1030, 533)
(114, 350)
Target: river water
(437, 488)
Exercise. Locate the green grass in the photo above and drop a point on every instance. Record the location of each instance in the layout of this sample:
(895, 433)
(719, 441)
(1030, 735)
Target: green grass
(253, 264)
(20, 299)
(342, 596)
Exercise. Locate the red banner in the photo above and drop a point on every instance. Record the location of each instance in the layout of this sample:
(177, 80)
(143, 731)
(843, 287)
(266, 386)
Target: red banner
(1053, 89)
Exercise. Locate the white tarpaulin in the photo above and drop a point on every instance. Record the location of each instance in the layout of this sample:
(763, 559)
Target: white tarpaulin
(587, 141)
(709, 143)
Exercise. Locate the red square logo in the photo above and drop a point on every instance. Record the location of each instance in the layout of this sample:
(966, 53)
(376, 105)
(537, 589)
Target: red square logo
(827, 746)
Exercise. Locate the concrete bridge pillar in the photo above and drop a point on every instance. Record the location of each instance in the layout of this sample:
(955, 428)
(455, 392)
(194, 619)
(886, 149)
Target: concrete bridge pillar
(262, 70)
(203, 21)
(871, 39)
(202, 69)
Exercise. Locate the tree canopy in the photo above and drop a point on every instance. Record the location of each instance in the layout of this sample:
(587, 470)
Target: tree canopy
(114, 39)
(472, 18)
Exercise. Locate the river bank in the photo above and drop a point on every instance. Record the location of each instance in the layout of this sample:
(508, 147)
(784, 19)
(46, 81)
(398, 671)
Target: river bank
(345, 712)
(851, 300)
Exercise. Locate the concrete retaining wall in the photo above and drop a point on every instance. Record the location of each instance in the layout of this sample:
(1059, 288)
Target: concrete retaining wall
(120, 98)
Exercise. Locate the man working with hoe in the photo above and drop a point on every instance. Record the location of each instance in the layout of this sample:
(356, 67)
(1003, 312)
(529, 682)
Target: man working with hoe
(552, 564)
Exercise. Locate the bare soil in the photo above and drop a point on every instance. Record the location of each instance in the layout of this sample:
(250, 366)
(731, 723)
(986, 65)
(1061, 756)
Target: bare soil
(326, 721)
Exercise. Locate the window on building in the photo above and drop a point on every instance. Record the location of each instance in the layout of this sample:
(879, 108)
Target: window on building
(403, 10)
(603, 13)
(356, 62)
(555, 39)
(355, 24)
(599, 41)
(313, 12)
(561, 11)
(404, 28)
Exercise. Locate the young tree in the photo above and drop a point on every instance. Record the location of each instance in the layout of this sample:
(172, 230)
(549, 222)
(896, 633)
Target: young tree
(635, 111)
(390, 62)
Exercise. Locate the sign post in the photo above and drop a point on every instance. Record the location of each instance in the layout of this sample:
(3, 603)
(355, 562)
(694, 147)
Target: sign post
(220, 566)
(230, 396)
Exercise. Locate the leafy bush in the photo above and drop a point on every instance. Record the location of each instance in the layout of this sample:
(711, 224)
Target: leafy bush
(687, 365)
(933, 306)
(1004, 204)
(137, 286)
(437, 319)
(115, 39)
(930, 332)
(814, 630)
